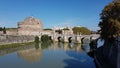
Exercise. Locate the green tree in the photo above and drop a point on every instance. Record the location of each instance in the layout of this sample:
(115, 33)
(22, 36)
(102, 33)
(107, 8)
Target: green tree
(110, 21)
(76, 30)
(115, 0)
(1, 29)
(82, 30)
(66, 29)
(4, 30)
(45, 38)
(36, 39)
(48, 29)
(85, 30)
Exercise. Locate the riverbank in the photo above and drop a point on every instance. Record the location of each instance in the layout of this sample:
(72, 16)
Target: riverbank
(10, 39)
(14, 45)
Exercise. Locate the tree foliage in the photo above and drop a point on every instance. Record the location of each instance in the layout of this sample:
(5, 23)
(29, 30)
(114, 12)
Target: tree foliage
(82, 30)
(36, 39)
(116, 0)
(48, 29)
(110, 21)
(4, 30)
(45, 38)
(1, 29)
(66, 28)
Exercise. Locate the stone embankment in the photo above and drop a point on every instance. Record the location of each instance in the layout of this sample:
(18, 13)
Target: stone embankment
(9, 39)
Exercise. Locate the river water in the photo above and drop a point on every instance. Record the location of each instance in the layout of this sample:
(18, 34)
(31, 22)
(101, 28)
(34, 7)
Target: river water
(52, 55)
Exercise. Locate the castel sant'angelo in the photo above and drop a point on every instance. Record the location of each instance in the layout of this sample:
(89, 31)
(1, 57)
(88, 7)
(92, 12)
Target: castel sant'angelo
(30, 26)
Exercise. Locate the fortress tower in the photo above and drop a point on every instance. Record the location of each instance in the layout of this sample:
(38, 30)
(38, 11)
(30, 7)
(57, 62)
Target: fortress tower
(30, 26)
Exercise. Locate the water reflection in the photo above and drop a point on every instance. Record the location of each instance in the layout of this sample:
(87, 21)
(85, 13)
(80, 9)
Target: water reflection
(54, 55)
(15, 49)
(37, 45)
(65, 46)
(80, 60)
(45, 45)
(85, 47)
(81, 57)
(31, 54)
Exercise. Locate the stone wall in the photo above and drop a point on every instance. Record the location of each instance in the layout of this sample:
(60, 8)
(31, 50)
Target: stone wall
(1, 32)
(11, 32)
(9, 39)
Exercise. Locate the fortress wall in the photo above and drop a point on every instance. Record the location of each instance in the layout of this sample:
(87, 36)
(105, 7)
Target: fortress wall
(9, 39)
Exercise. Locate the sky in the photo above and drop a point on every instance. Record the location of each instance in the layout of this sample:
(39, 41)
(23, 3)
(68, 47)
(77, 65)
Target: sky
(52, 13)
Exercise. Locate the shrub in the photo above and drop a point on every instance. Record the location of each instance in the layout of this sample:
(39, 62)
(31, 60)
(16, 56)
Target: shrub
(36, 39)
(45, 38)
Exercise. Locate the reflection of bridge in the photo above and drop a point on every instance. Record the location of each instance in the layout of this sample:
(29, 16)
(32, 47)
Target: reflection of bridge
(74, 38)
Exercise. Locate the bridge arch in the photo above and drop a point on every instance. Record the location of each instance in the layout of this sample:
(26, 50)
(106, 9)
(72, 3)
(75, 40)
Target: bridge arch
(69, 39)
(59, 38)
(85, 40)
(82, 40)
(50, 37)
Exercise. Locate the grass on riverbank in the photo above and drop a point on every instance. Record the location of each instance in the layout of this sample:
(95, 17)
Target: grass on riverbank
(14, 45)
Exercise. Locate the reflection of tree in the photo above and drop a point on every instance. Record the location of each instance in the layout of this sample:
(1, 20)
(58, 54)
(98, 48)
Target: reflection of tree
(37, 45)
(31, 55)
(45, 45)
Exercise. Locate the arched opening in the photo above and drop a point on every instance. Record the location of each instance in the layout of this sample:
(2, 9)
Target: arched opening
(85, 40)
(82, 40)
(70, 39)
(50, 38)
(59, 39)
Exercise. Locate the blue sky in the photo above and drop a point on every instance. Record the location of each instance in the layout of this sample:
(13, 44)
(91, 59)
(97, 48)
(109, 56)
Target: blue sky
(53, 12)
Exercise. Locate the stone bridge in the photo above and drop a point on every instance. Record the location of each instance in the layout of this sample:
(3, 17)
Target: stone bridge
(71, 38)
